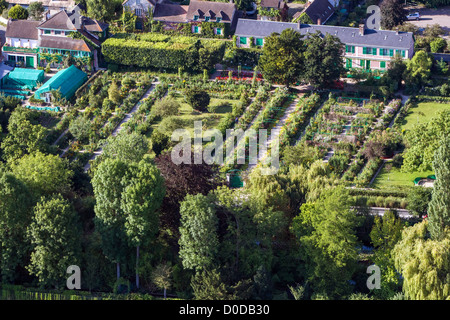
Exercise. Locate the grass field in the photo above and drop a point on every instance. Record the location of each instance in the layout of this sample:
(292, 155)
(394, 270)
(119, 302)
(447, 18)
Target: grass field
(394, 177)
(210, 120)
(423, 113)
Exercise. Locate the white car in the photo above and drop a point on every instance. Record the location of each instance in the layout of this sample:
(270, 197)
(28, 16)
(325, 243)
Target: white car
(413, 16)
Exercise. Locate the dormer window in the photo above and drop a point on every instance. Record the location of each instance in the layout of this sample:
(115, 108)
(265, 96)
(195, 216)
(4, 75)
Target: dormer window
(218, 19)
(196, 17)
(47, 32)
(207, 18)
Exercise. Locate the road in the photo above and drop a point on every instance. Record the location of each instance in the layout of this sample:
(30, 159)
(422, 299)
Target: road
(402, 213)
(429, 16)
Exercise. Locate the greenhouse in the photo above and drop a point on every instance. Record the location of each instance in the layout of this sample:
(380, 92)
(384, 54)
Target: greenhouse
(21, 78)
(67, 81)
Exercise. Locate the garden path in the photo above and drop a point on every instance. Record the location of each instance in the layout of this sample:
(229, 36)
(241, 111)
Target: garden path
(120, 125)
(275, 132)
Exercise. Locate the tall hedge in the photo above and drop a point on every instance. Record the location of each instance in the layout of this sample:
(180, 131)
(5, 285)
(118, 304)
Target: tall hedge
(163, 52)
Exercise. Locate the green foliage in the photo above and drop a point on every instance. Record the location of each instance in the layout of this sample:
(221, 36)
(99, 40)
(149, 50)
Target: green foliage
(423, 140)
(163, 52)
(18, 12)
(242, 56)
(303, 18)
(198, 241)
(126, 147)
(166, 107)
(418, 199)
(80, 128)
(207, 285)
(418, 69)
(392, 14)
(44, 174)
(15, 207)
(198, 99)
(439, 206)
(24, 136)
(36, 10)
(326, 231)
(102, 10)
(282, 59)
(385, 234)
(438, 45)
(423, 263)
(54, 234)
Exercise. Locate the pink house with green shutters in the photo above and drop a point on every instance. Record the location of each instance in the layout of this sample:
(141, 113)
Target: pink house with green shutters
(366, 49)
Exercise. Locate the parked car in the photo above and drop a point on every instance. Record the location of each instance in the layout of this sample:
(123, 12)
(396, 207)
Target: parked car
(413, 16)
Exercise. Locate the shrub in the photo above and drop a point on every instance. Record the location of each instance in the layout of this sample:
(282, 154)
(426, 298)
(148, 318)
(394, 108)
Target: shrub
(198, 99)
(166, 107)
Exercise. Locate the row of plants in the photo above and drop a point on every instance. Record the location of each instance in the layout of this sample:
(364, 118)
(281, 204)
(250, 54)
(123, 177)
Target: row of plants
(383, 202)
(298, 120)
(251, 112)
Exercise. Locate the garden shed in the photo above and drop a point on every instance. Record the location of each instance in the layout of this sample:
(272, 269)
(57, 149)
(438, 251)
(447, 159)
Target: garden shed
(21, 78)
(67, 81)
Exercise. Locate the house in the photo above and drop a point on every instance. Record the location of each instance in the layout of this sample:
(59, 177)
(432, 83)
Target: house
(140, 8)
(364, 48)
(22, 42)
(66, 81)
(209, 11)
(317, 12)
(50, 6)
(272, 5)
(31, 43)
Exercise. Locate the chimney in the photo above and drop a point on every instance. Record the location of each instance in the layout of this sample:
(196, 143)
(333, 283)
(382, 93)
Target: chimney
(361, 29)
(396, 30)
(319, 21)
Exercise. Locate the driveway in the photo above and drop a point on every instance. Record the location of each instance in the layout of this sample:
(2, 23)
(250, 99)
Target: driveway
(440, 16)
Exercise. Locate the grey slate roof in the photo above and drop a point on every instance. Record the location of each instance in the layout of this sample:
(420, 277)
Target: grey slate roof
(60, 21)
(319, 9)
(348, 35)
(22, 29)
(213, 9)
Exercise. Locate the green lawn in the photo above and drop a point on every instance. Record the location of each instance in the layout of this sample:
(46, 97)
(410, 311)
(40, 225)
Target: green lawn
(395, 178)
(210, 120)
(423, 113)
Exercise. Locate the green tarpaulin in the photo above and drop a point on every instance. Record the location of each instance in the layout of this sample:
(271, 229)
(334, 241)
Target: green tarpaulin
(21, 78)
(67, 81)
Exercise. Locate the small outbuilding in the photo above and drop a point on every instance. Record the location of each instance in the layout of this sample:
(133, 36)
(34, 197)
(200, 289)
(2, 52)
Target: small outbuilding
(21, 79)
(67, 81)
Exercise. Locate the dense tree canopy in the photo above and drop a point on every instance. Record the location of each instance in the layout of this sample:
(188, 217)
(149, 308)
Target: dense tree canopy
(392, 14)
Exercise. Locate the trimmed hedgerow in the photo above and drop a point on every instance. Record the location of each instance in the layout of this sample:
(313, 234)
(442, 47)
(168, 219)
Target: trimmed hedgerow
(163, 52)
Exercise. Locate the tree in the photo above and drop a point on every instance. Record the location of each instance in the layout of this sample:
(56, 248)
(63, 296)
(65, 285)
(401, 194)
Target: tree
(166, 107)
(15, 217)
(392, 14)
(36, 10)
(3, 6)
(439, 206)
(325, 230)
(198, 233)
(396, 69)
(18, 12)
(24, 136)
(423, 263)
(385, 234)
(55, 237)
(322, 59)
(208, 285)
(44, 174)
(423, 140)
(109, 217)
(282, 58)
(418, 199)
(126, 147)
(80, 128)
(102, 10)
(198, 99)
(161, 277)
(141, 197)
(114, 93)
(438, 45)
(181, 180)
(418, 69)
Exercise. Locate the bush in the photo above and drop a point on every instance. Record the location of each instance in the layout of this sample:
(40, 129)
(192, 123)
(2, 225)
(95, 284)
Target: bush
(198, 99)
(166, 107)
